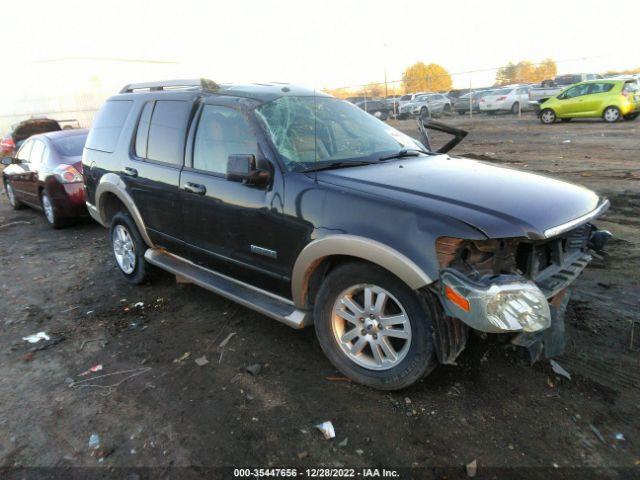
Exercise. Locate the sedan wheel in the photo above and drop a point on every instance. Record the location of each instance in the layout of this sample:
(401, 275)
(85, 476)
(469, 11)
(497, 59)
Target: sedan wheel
(611, 114)
(13, 201)
(48, 209)
(124, 249)
(371, 327)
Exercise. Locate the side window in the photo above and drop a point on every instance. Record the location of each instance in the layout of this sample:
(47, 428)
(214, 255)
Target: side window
(600, 87)
(142, 133)
(222, 131)
(167, 131)
(36, 152)
(577, 91)
(25, 151)
(108, 124)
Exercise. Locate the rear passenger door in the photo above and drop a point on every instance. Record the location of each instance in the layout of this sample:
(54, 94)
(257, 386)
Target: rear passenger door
(152, 172)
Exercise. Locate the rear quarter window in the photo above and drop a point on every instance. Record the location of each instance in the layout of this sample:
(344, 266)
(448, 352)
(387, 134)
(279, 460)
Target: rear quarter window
(108, 124)
(165, 142)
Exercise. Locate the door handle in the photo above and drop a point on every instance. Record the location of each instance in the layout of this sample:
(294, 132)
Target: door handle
(195, 188)
(132, 172)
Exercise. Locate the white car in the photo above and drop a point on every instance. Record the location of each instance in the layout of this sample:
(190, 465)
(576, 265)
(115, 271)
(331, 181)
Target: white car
(409, 97)
(508, 99)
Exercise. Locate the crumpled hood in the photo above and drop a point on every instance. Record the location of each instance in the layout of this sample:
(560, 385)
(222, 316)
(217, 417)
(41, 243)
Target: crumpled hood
(500, 202)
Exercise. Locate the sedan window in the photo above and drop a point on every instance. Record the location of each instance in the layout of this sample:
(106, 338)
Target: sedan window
(25, 151)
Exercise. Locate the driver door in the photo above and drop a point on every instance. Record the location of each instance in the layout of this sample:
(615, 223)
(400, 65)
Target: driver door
(230, 227)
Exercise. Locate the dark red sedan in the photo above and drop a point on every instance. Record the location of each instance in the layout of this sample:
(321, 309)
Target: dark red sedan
(46, 174)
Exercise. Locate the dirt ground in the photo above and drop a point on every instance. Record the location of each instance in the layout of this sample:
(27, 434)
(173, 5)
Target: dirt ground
(165, 416)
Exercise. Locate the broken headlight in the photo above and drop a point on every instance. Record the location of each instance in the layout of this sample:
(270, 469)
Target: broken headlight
(497, 303)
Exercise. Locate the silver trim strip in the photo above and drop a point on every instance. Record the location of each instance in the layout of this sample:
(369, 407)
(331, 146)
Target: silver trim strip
(552, 232)
(93, 211)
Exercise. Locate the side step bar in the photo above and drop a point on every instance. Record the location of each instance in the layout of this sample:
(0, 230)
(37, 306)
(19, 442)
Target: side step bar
(251, 297)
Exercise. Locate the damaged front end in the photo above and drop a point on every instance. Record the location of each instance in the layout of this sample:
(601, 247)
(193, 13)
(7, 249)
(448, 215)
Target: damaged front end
(517, 286)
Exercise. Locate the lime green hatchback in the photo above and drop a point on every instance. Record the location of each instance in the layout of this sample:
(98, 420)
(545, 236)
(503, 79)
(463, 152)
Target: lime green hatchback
(610, 100)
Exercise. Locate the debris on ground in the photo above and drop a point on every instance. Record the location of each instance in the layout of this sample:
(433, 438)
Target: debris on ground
(344, 443)
(36, 337)
(597, 433)
(201, 361)
(17, 222)
(224, 342)
(359, 451)
(620, 437)
(94, 441)
(327, 429)
(557, 368)
(472, 468)
(138, 304)
(108, 389)
(182, 358)
(94, 369)
(302, 455)
(337, 379)
(254, 369)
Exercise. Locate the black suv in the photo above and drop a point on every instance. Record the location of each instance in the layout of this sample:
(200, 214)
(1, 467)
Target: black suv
(307, 209)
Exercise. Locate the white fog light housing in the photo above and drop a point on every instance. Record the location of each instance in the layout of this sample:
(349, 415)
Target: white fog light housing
(500, 303)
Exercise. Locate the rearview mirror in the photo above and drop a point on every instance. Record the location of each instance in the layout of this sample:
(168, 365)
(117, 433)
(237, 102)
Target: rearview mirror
(242, 168)
(10, 161)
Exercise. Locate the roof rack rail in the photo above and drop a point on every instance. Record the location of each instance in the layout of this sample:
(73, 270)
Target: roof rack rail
(203, 83)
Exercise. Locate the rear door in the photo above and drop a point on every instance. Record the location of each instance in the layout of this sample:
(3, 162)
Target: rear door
(594, 101)
(152, 172)
(230, 227)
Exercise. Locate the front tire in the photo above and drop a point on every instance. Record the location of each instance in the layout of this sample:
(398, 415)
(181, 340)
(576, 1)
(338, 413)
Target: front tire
(128, 249)
(373, 328)
(515, 107)
(11, 195)
(547, 116)
(611, 114)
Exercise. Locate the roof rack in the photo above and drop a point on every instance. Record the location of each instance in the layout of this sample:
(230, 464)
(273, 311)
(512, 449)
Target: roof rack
(203, 83)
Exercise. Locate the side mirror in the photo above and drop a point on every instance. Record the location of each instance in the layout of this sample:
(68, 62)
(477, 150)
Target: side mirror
(242, 168)
(10, 161)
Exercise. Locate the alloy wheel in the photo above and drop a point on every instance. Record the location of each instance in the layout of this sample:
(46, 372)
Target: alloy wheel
(124, 249)
(48, 209)
(371, 327)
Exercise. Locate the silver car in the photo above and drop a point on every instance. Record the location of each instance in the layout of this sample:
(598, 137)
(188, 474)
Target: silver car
(427, 105)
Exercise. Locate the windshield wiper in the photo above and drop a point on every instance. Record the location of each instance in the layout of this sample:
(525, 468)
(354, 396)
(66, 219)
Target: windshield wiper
(405, 152)
(337, 164)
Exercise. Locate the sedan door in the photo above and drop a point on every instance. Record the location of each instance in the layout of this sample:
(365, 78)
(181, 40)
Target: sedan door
(17, 173)
(230, 227)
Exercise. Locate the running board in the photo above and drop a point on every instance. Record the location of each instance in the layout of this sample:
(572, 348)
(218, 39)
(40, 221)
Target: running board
(251, 297)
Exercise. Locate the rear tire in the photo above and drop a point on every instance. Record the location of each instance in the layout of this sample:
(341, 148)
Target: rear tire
(392, 341)
(515, 108)
(611, 114)
(13, 201)
(129, 248)
(547, 116)
(49, 211)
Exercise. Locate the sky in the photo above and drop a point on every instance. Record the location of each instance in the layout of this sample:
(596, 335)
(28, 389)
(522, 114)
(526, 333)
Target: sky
(57, 47)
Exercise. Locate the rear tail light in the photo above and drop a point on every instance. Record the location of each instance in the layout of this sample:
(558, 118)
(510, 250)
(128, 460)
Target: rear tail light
(500, 99)
(67, 174)
(7, 144)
